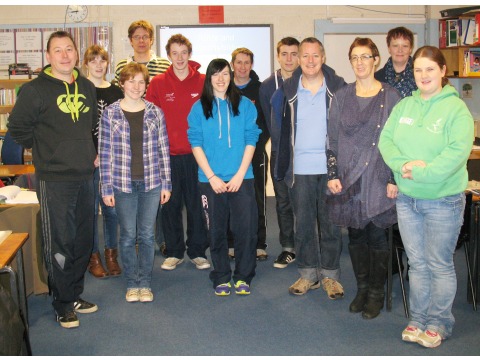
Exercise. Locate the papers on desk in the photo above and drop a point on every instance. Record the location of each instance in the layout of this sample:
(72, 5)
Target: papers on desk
(4, 234)
(12, 194)
(474, 187)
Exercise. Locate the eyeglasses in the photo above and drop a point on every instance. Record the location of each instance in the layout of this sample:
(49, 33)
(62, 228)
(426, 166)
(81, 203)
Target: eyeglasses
(138, 37)
(362, 58)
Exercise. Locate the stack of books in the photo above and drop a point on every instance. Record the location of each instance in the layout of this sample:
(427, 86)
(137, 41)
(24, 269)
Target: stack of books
(19, 71)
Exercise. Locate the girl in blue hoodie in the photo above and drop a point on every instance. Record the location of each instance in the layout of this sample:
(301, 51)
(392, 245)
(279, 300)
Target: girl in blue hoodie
(223, 134)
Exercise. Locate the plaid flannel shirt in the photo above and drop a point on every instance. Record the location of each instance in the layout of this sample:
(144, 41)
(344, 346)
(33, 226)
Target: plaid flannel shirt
(115, 153)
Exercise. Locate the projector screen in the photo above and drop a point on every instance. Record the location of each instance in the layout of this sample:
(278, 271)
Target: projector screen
(218, 41)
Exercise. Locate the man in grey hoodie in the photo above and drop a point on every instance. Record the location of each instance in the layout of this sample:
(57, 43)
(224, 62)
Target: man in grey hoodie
(300, 114)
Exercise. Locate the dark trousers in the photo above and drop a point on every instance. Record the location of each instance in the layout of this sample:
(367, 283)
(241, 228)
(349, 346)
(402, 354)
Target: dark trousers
(260, 168)
(240, 211)
(184, 192)
(67, 213)
(283, 208)
(372, 235)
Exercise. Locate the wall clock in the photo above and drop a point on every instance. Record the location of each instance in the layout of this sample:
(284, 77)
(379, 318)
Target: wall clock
(77, 13)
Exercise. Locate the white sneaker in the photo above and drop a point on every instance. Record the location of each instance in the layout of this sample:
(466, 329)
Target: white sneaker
(171, 263)
(146, 295)
(133, 295)
(201, 263)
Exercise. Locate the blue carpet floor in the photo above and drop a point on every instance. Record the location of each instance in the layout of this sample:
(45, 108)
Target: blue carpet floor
(186, 318)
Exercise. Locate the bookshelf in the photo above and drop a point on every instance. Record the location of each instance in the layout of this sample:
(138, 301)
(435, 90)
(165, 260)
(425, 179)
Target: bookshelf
(10, 84)
(455, 61)
(456, 46)
(6, 109)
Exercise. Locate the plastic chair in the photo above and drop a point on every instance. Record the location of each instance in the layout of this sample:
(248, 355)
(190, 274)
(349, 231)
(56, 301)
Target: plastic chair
(12, 153)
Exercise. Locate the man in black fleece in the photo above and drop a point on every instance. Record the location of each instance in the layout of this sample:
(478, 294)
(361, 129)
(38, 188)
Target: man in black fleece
(55, 115)
(249, 84)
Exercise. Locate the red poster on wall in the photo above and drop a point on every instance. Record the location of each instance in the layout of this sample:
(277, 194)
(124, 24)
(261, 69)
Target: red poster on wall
(210, 15)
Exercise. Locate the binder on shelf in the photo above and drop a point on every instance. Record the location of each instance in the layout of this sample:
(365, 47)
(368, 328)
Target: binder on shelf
(442, 34)
(452, 32)
(468, 31)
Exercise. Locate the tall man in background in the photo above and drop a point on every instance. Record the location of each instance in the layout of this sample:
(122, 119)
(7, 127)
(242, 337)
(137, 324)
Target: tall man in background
(287, 56)
(141, 36)
(175, 92)
(248, 82)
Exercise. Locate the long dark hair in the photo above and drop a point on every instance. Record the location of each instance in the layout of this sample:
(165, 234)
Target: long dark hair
(208, 97)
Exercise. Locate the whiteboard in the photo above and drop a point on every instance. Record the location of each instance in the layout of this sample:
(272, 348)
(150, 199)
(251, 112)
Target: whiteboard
(337, 46)
(219, 41)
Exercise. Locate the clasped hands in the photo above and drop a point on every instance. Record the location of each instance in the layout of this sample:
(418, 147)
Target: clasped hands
(408, 166)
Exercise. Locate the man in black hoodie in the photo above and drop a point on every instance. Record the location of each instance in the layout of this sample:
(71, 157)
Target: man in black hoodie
(55, 115)
(249, 84)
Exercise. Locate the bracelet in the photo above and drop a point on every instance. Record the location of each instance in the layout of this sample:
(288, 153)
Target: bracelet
(211, 177)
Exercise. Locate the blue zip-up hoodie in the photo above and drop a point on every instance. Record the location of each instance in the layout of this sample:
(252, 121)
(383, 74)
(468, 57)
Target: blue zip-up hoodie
(284, 119)
(224, 137)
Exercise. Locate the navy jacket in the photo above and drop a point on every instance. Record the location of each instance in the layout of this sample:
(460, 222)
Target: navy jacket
(284, 118)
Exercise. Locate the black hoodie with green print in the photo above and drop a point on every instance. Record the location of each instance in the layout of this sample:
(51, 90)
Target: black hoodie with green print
(56, 119)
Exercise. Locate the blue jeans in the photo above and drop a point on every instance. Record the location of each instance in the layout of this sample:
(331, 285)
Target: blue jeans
(136, 213)
(317, 256)
(109, 215)
(429, 230)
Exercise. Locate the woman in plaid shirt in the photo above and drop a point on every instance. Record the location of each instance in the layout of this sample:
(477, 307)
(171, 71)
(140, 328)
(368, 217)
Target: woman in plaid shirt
(135, 175)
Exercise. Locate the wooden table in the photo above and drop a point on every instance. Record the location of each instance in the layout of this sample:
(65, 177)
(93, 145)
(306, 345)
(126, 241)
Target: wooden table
(15, 170)
(474, 154)
(25, 218)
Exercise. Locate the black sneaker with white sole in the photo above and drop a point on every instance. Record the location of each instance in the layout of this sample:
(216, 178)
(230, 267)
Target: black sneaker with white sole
(285, 258)
(84, 307)
(68, 320)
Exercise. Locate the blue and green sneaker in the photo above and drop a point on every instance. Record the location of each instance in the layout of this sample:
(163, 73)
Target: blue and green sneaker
(242, 288)
(223, 289)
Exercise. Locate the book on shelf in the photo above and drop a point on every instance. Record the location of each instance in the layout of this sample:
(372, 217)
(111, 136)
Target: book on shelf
(471, 62)
(475, 61)
(452, 33)
(467, 31)
(442, 34)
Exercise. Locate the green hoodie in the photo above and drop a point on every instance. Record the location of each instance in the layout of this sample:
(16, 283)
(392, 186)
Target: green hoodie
(438, 131)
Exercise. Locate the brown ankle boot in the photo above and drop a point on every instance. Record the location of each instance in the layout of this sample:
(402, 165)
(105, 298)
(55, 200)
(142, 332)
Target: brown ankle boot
(95, 266)
(111, 261)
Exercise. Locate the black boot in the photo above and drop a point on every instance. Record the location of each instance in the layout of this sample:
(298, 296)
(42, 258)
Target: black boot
(360, 261)
(376, 289)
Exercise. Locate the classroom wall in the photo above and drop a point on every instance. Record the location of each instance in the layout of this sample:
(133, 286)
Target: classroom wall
(287, 20)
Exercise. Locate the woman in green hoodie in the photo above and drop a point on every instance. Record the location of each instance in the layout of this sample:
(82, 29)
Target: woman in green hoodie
(426, 142)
